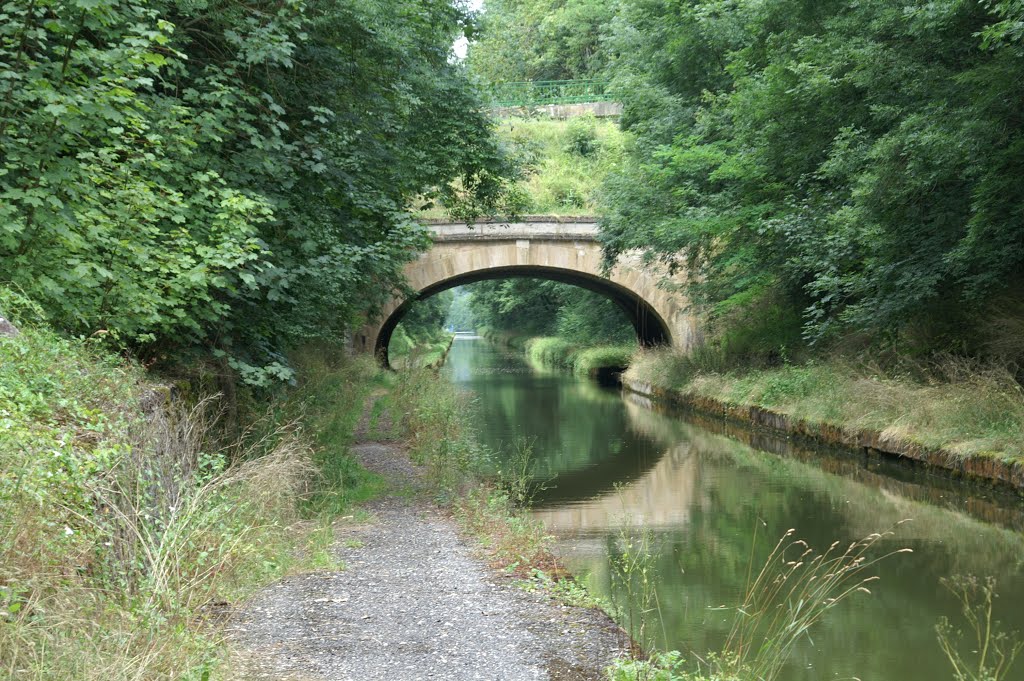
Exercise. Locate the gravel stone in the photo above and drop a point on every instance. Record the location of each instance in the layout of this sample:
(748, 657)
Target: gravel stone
(414, 602)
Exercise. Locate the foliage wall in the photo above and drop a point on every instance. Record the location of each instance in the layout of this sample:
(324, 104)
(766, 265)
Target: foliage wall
(520, 40)
(216, 176)
(536, 307)
(858, 162)
(863, 157)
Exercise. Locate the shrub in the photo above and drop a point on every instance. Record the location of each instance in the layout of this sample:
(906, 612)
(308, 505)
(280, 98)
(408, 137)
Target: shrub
(581, 136)
(591, 359)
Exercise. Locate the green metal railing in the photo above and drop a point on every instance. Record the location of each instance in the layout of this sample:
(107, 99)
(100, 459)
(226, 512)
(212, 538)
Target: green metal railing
(541, 92)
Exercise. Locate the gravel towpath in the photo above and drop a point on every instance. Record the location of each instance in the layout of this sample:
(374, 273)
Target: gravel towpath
(414, 602)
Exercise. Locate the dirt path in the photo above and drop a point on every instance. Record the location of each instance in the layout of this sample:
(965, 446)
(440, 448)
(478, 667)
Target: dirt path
(414, 602)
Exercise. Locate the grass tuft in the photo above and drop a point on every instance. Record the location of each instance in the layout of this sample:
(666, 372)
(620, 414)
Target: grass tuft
(794, 590)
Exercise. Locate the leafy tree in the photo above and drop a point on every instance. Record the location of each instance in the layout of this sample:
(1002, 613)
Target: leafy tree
(859, 159)
(460, 315)
(426, 318)
(526, 306)
(225, 177)
(539, 307)
(520, 40)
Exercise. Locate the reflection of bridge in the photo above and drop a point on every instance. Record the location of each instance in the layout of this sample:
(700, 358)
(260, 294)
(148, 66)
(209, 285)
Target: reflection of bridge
(661, 498)
(566, 250)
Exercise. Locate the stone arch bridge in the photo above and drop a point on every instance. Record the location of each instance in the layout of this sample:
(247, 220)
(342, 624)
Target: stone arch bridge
(565, 250)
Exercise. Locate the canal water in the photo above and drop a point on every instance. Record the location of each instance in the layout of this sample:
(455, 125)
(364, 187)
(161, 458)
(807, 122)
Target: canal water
(715, 503)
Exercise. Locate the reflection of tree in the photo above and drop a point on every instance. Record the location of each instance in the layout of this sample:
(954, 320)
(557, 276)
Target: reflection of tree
(579, 431)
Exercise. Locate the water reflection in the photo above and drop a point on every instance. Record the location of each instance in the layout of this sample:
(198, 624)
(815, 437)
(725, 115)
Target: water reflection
(580, 431)
(715, 505)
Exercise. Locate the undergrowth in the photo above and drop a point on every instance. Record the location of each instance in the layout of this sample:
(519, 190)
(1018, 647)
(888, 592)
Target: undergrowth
(124, 513)
(127, 512)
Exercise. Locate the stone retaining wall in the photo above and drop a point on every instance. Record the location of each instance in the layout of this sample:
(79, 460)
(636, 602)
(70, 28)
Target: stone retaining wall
(872, 442)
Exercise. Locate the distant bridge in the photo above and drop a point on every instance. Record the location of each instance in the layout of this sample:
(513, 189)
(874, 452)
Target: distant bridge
(543, 92)
(556, 98)
(566, 251)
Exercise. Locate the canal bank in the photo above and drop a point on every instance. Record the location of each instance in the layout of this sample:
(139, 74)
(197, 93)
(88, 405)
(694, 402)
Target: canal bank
(972, 432)
(872, 443)
(713, 507)
(970, 427)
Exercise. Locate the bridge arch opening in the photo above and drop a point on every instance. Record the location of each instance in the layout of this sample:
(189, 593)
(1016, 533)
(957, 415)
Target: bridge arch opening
(651, 329)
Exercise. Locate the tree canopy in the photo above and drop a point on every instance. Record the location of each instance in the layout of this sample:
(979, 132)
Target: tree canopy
(861, 157)
(859, 161)
(538, 307)
(525, 40)
(229, 177)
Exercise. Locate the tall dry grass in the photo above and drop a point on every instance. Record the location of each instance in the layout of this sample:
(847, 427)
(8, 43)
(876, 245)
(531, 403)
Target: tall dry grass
(784, 600)
(790, 595)
(106, 578)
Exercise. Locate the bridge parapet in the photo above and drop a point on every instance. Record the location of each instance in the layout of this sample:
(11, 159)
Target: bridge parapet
(542, 92)
(504, 231)
(566, 250)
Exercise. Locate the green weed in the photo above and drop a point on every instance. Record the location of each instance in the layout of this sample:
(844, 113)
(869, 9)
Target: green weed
(516, 473)
(513, 538)
(993, 651)
(435, 417)
(782, 603)
(634, 577)
(566, 589)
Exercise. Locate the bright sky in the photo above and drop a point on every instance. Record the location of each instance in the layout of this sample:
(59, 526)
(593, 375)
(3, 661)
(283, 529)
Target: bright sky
(461, 44)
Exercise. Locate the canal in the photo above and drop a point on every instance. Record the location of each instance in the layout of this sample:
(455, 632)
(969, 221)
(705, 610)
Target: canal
(713, 506)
